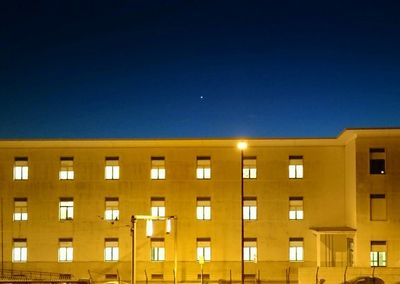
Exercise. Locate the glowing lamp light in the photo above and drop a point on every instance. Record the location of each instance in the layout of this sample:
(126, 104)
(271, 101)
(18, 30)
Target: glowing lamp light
(149, 228)
(242, 145)
(168, 226)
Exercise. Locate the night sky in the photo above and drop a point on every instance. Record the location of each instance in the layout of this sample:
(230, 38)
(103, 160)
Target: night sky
(172, 69)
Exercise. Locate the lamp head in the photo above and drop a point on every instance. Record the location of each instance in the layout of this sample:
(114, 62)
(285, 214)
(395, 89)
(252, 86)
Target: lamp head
(242, 145)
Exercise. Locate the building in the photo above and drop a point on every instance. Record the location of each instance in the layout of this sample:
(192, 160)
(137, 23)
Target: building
(332, 203)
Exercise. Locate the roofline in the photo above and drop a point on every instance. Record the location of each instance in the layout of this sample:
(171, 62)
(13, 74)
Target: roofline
(343, 138)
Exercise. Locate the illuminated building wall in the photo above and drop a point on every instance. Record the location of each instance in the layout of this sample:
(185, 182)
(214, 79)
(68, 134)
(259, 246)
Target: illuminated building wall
(67, 204)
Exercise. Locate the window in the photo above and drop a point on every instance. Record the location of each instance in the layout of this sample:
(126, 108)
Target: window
(111, 250)
(250, 249)
(20, 209)
(295, 167)
(377, 159)
(296, 249)
(158, 206)
(296, 208)
(157, 276)
(112, 211)
(66, 208)
(249, 167)
(110, 276)
(112, 168)
(19, 251)
(65, 250)
(203, 168)
(378, 253)
(249, 208)
(203, 208)
(21, 168)
(378, 207)
(157, 168)
(204, 249)
(206, 276)
(66, 168)
(157, 249)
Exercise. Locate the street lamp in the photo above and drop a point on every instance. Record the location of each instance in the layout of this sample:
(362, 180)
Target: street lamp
(149, 232)
(201, 262)
(242, 146)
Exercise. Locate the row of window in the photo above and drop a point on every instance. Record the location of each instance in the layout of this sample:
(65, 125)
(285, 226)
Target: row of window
(378, 250)
(157, 251)
(158, 169)
(203, 208)
(378, 211)
(377, 158)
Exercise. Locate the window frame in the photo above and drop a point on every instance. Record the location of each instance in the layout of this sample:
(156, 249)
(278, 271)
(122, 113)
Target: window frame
(66, 168)
(158, 170)
(157, 253)
(249, 167)
(249, 208)
(296, 167)
(19, 250)
(294, 204)
(296, 248)
(157, 208)
(203, 208)
(20, 209)
(66, 208)
(21, 169)
(111, 212)
(111, 250)
(112, 168)
(378, 254)
(377, 159)
(203, 249)
(203, 169)
(65, 250)
(250, 249)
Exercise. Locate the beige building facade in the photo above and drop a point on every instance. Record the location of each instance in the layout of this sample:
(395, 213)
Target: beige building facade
(332, 203)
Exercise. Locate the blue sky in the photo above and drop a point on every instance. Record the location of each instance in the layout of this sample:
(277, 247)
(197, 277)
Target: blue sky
(172, 69)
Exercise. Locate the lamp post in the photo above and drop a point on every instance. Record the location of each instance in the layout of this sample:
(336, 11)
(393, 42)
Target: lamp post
(201, 262)
(242, 146)
(149, 232)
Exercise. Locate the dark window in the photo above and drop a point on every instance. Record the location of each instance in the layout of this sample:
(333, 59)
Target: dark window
(377, 161)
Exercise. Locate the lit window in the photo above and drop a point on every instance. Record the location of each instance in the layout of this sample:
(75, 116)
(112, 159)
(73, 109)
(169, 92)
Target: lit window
(157, 249)
(377, 159)
(204, 249)
(66, 168)
(249, 167)
(203, 208)
(66, 209)
(65, 250)
(296, 250)
(111, 250)
(250, 249)
(19, 251)
(203, 168)
(378, 207)
(112, 168)
(296, 208)
(112, 212)
(157, 168)
(20, 209)
(158, 207)
(378, 253)
(21, 168)
(295, 167)
(249, 208)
